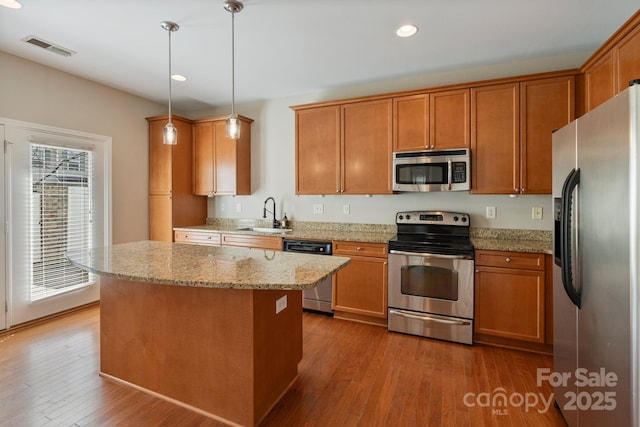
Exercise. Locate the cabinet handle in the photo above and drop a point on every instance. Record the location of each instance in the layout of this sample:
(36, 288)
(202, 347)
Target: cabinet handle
(477, 271)
(523, 190)
(358, 248)
(508, 259)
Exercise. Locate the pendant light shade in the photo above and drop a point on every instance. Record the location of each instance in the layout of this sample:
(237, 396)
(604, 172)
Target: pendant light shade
(169, 133)
(232, 123)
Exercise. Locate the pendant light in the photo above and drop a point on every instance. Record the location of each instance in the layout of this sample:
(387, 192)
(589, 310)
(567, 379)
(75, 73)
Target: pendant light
(169, 133)
(232, 124)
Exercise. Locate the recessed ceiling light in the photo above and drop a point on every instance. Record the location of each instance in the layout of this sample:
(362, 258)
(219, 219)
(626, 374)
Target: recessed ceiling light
(406, 31)
(13, 4)
(179, 77)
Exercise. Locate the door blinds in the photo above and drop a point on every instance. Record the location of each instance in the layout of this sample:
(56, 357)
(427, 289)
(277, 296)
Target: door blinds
(61, 217)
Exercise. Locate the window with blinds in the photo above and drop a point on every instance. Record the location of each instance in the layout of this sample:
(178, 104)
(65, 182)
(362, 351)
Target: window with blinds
(61, 220)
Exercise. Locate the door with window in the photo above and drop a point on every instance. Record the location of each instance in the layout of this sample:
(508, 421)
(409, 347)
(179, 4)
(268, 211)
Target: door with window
(58, 202)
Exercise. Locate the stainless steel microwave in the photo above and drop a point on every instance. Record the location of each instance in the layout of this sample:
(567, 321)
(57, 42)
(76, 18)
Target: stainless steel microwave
(433, 170)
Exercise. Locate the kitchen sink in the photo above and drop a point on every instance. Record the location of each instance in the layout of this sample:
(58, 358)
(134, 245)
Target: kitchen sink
(266, 230)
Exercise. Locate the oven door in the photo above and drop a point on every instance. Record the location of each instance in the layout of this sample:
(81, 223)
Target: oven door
(430, 283)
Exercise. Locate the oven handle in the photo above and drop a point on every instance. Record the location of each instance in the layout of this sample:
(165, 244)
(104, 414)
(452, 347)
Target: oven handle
(425, 255)
(429, 318)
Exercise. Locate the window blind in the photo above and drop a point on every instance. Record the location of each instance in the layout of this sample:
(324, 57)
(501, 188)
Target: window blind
(61, 219)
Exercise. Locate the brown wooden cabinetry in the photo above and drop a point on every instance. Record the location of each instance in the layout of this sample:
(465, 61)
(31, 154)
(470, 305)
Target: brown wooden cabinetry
(495, 139)
(450, 119)
(600, 81)
(198, 237)
(252, 241)
(411, 123)
(360, 289)
(512, 126)
(627, 54)
(344, 148)
(171, 202)
(510, 297)
(318, 150)
(221, 166)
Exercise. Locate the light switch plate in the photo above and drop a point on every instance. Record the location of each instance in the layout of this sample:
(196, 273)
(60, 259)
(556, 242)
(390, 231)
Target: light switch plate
(318, 209)
(346, 209)
(238, 207)
(491, 212)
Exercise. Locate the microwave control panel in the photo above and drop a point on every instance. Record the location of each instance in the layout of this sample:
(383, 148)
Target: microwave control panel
(458, 172)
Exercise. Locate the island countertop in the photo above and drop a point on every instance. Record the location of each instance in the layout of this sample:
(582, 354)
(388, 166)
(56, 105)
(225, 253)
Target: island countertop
(207, 266)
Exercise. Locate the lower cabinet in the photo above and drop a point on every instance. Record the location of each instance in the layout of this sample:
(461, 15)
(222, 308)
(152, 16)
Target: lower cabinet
(360, 289)
(211, 238)
(252, 241)
(511, 300)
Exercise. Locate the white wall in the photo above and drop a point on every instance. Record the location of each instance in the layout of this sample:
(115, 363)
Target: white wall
(273, 146)
(34, 93)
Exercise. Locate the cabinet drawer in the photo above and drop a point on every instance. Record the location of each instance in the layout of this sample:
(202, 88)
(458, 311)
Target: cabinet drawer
(250, 241)
(510, 260)
(378, 250)
(200, 238)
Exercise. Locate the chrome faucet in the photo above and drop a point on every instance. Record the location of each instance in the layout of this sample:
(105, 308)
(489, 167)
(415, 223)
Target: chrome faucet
(276, 223)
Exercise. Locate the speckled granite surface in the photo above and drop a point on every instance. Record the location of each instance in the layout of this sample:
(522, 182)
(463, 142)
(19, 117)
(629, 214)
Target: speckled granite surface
(366, 233)
(206, 266)
(496, 239)
(500, 239)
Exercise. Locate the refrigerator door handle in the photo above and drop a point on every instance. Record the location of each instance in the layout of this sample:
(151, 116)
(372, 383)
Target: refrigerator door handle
(570, 184)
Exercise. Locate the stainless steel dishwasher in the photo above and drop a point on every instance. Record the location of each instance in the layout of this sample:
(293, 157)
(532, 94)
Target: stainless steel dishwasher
(318, 298)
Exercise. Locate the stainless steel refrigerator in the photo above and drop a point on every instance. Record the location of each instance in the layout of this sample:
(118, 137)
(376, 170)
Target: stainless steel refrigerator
(596, 178)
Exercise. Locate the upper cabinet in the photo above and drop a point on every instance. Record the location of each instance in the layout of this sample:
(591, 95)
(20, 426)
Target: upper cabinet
(429, 121)
(449, 119)
(610, 69)
(221, 166)
(318, 150)
(344, 148)
(366, 147)
(171, 203)
(495, 139)
(511, 126)
(411, 123)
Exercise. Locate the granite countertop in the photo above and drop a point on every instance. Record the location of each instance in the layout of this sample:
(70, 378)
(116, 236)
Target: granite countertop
(366, 235)
(208, 266)
(532, 241)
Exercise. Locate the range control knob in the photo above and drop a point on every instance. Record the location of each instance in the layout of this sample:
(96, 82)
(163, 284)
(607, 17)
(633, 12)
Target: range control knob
(408, 216)
(464, 219)
(400, 217)
(455, 218)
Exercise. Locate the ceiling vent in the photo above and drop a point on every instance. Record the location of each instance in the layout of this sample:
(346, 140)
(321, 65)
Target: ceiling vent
(48, 46)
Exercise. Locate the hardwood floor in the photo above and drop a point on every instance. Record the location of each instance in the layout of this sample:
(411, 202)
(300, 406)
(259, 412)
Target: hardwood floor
(351, 375)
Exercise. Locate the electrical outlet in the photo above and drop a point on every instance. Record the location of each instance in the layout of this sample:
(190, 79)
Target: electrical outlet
(536, 212)
(318, 209)
(491, 212)
(281, 304)
(346, 209)
(238, 207)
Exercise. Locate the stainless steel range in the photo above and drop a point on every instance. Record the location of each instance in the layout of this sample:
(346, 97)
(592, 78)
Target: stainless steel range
(431, 269)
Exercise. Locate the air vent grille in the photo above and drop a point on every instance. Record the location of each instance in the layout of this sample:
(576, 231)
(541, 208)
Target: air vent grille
(36, 41)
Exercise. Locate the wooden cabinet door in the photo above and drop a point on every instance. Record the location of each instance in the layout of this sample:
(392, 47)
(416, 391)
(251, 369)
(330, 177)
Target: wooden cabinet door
(450, 116)
(203, 159)
(161, 217)
(361, 287)
(225, 161)
(367, 147)
(160, 160)
(318, 150)
(627, 54)
(411, 123)
(510, 303)
(546, 105)
(600, 81)
(495, 139)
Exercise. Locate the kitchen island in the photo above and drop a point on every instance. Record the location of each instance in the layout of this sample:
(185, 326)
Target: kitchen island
(217, 330)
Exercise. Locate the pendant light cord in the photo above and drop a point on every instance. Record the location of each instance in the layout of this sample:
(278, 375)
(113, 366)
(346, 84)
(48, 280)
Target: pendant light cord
(170, 31)
(233, 62)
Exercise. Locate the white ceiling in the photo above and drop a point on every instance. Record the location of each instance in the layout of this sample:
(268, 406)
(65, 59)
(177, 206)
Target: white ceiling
(288, 47)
